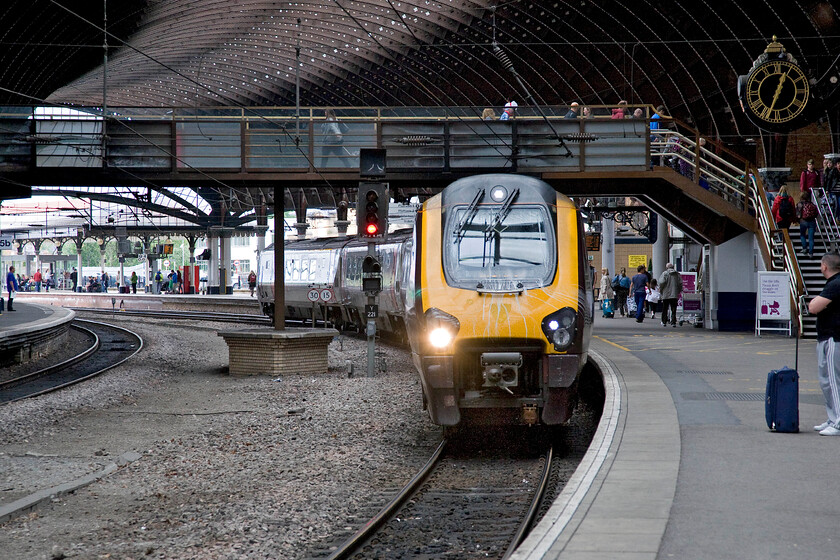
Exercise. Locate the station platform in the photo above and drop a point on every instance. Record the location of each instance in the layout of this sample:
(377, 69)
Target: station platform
(239, 302)
(683, 465)
(31, 331)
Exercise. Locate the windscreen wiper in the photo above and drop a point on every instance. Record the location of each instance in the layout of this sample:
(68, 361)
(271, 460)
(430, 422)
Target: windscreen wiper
(472, 210)
(501, 215)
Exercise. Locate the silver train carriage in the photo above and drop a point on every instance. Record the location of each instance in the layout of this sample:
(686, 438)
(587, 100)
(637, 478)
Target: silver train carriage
(499, 309)
(336, 263)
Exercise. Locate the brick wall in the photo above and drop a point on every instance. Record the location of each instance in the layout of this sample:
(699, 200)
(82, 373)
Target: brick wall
(272, 354)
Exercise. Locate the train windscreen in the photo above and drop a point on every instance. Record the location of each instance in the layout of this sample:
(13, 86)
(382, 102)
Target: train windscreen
(495, 251)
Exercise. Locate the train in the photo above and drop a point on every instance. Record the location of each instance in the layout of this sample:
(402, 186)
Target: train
(491, 288)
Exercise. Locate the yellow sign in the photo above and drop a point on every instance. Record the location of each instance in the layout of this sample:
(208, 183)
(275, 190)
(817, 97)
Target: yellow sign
(636, 260)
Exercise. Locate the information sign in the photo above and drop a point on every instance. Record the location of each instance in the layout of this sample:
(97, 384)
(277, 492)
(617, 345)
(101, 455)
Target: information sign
(636, 260)
(5, 242)
(371, 311)
(774, 296)
(166, 263)
(773, 301)
(593, 241)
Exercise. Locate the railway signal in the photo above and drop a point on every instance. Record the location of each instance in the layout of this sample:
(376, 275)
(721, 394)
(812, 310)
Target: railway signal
(372, 211)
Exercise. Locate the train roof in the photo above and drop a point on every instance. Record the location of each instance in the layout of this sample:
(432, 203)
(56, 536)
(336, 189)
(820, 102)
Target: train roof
(340, 242)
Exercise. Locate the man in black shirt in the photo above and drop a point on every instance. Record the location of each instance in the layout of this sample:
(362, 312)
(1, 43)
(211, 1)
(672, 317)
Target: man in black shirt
(826, 307)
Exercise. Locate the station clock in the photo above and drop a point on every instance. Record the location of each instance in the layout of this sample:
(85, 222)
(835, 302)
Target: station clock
(776, 92)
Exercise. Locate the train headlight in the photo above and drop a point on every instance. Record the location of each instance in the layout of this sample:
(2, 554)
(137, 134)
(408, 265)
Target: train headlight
(440, 337)
(442, 328)
(559, 328)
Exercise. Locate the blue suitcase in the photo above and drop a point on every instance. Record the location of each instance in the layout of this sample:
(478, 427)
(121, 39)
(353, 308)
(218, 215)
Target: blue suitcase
(607, 308)
(782, 400)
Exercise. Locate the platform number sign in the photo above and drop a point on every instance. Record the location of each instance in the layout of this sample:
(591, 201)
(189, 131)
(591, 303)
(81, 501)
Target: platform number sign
(5, 242)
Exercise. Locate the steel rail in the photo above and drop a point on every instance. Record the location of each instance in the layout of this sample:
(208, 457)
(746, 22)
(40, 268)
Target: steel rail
(176, 314)
(525, 526)
(93, 374)
(54, 368)
(362, 535)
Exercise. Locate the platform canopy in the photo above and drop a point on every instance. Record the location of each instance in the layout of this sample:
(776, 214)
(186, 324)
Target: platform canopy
(685, 55)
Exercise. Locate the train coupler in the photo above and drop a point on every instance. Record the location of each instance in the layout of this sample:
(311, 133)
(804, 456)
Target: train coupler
(530, 416)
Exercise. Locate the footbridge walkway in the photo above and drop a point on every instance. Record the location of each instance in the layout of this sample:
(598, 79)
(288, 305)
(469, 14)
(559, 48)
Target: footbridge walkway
(243, 154)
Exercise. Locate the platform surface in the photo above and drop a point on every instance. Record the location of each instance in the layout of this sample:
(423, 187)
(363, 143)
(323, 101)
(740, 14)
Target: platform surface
(739, 490)
(24, 315)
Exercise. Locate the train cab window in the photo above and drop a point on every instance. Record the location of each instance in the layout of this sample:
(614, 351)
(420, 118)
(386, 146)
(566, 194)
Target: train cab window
(496, 252)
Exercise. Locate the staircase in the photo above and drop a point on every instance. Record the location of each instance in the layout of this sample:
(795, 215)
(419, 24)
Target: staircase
(824, 240)
(811, 276)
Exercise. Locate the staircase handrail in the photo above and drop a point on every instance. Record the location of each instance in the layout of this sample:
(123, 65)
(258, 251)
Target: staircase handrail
(736, 180)
(826, 219)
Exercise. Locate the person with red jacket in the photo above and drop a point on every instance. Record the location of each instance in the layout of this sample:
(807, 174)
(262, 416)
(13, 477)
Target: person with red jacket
(810, 178)
(784, 209)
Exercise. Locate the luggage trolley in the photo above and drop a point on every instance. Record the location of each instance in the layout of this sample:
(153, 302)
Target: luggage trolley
(692, 311)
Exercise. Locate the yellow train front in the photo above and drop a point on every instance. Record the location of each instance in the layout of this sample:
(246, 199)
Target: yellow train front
(499, 306)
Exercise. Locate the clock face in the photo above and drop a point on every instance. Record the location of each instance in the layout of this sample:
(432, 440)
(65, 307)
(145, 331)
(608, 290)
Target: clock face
(777, 92)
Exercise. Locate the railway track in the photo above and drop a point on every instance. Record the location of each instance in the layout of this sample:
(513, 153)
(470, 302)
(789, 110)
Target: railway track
(466, 502)
(110, 346)
(186, 315)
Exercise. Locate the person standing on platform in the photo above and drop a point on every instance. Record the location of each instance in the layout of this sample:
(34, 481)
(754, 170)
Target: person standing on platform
(74, 277)
(809, 179)
(826, 307)
(640, 284)
(37, 279)
(621, 287)
(252, 282)
(158, 281)
(133, 281)
(573, 111)
(103, 281)
(12, 287)
(670, 288)
(605, 290)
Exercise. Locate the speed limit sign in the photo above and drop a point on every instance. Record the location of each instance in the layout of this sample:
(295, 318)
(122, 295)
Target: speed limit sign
(314, 295)
(326, 295)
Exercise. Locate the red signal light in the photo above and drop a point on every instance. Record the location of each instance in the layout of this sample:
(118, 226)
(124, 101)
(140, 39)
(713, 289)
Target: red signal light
(372, 229)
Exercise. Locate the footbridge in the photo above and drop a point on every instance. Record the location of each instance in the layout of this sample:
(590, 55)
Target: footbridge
(246, 155)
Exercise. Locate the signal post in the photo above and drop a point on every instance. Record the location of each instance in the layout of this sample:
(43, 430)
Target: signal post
(372, 221)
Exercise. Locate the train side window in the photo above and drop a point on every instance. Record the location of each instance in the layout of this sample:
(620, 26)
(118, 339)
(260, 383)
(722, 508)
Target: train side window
(410, 281)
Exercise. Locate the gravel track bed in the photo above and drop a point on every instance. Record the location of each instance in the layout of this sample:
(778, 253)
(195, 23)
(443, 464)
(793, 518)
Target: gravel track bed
(230, 467)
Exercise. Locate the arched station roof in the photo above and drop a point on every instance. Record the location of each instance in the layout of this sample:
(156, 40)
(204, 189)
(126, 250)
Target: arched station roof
(684, 55)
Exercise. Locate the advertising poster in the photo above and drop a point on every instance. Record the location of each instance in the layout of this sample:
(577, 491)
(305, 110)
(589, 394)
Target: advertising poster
(689, 280)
